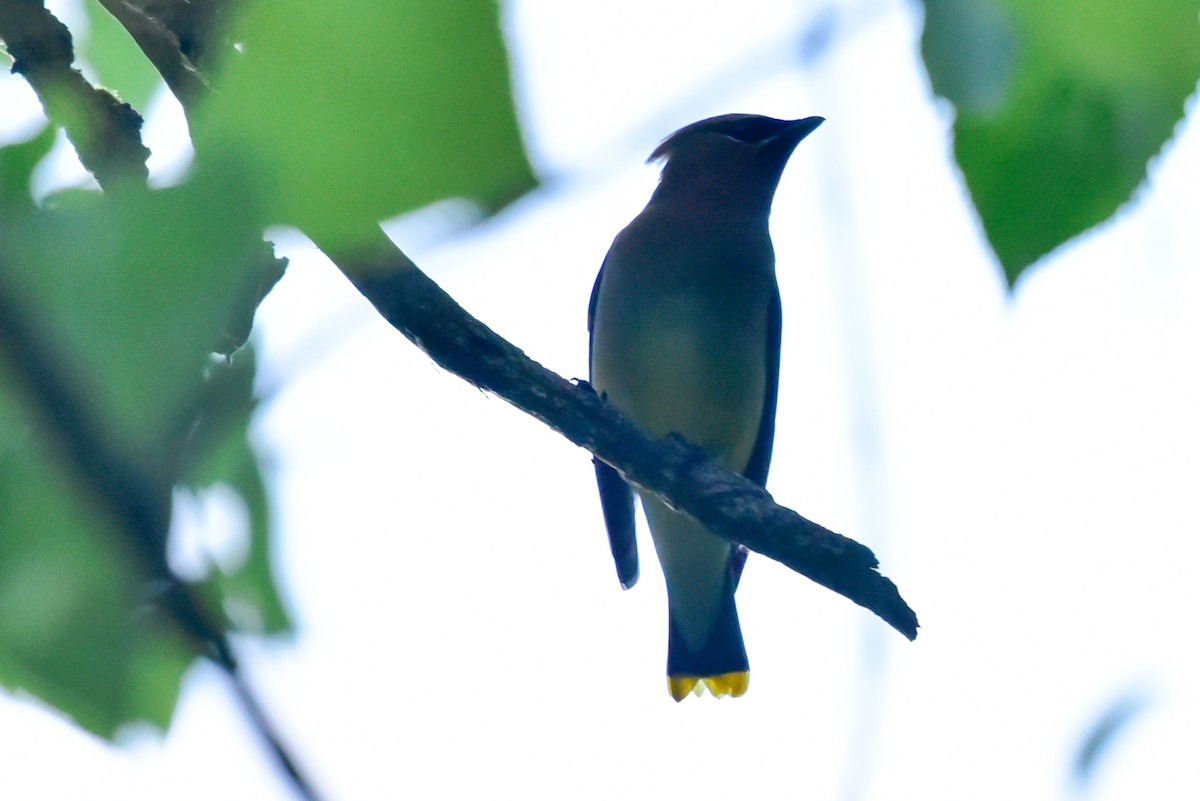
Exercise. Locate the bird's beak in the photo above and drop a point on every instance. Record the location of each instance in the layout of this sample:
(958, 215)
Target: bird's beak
(798, 129)
(781, 145)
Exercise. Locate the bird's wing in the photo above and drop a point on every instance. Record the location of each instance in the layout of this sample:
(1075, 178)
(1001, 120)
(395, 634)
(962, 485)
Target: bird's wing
(760, 457)
(616, 496)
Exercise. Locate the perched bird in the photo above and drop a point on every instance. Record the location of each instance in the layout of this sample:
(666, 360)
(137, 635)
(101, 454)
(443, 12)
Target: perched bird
(685, 322)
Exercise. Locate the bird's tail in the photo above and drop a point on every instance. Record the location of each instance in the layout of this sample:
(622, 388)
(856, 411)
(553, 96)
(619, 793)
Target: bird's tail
(719, 664)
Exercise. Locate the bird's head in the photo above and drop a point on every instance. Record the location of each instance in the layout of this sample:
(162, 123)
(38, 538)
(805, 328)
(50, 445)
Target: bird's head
(735, 156)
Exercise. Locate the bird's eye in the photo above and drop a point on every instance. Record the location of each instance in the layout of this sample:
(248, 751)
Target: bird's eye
(742, 135)
(750, 132)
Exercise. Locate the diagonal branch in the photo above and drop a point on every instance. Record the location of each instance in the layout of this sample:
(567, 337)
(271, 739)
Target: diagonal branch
(726, 503)
(161, 43)
(106, 132)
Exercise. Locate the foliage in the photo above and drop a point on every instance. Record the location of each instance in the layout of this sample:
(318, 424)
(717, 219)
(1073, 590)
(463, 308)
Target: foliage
(409, 104)
(1059, 106)
(119, 299)
(122, 298)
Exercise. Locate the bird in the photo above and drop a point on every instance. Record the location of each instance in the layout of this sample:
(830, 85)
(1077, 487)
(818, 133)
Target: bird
(684, 327)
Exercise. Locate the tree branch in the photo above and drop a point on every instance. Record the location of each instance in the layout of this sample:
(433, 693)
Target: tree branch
(106, 132)
(728, 504)
(161, 46)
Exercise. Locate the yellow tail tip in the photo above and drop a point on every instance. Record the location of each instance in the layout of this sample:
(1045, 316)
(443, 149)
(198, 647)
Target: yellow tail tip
(734, 684)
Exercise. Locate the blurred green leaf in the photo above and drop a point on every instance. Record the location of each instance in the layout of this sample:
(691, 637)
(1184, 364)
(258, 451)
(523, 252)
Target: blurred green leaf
(357, 112)
(75, 627)
(117, 59)
(219, 452)
(129, 292)
(338, 116)
(131, 286)
(17, 163)
(970, 52)
(1060, 104)
(249, 596)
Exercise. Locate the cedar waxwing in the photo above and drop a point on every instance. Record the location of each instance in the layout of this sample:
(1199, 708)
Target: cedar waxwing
(685, 322)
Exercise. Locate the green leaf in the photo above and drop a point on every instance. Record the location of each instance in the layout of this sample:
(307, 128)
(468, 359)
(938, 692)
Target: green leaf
(1061, 104)
(130, 286)
(75, 627)
(356, 112)
(126, 295)
(17, 163)
(120, 63)
(218, 451)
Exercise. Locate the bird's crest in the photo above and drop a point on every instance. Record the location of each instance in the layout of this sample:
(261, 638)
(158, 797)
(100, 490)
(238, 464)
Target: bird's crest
(745, 128)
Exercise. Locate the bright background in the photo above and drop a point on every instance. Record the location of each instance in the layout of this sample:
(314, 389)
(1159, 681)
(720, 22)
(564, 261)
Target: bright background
(1025, 465)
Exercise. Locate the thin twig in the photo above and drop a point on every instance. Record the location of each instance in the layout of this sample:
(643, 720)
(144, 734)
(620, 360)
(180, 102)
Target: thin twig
(262, 724)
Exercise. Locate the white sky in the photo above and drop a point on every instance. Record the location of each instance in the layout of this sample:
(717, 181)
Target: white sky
(1026, 467)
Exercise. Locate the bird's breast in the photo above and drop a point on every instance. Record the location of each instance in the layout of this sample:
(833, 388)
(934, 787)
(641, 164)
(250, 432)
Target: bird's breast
(686, 362)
